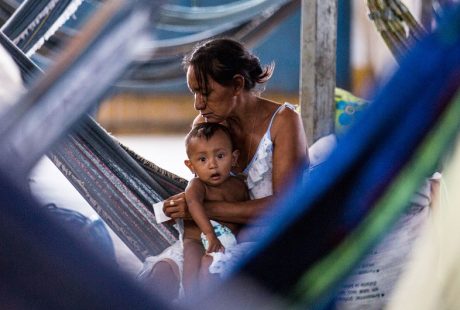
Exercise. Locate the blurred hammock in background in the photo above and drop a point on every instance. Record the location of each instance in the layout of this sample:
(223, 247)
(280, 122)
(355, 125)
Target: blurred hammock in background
(246, 21)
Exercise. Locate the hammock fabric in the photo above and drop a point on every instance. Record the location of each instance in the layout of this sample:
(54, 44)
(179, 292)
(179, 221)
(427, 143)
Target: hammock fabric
(117, 188)
(7, 8)
(396, 25)
(28, 69)
(43, 265)
(166, 66)
(34, 16)
(18, 129)
(181, 18)
(246, 21)
(64, 83)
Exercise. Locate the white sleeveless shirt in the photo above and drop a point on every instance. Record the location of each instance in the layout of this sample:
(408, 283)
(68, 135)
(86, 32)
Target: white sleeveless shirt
(259, 170)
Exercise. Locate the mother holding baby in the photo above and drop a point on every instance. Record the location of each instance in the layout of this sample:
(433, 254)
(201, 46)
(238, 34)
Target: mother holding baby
(224, 78)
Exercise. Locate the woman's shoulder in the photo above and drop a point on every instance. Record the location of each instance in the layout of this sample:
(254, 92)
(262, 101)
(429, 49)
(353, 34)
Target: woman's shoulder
(286, 114)
(286, 123)
(289, 109)
(272, 109)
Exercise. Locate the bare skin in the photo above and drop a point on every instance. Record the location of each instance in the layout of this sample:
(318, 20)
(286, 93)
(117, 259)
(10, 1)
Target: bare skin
(247, 117)
(196, 266)
(211, 160)
(233, 190)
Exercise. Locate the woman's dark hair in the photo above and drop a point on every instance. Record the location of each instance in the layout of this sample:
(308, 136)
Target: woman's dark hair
(223, 58)
(207, 131)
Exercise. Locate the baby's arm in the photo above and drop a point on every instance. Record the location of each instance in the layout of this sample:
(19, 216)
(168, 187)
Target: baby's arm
(195, 196)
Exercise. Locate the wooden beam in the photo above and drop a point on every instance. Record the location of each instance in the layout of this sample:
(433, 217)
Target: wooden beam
(318, 68)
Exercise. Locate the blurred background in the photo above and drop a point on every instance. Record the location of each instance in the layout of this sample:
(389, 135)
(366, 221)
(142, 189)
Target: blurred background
(161, 114)
(362, 61)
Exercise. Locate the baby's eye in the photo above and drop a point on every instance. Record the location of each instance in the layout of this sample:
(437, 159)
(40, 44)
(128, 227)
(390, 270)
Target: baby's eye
(220, 156)
(202, 159)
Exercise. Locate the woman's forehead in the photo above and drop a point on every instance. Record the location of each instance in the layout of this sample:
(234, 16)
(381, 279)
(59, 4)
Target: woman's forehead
(191, 78)
(192, 81)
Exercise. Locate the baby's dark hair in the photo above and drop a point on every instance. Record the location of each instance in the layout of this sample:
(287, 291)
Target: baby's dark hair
(207, 131)
(223, 58)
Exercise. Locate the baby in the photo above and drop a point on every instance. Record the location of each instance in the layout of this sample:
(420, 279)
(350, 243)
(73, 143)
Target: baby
(211, 156)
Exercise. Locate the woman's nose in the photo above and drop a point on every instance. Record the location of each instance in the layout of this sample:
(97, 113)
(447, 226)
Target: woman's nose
(199, 103)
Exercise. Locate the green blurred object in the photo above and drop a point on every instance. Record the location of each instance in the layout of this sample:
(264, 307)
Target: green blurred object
(347, 109)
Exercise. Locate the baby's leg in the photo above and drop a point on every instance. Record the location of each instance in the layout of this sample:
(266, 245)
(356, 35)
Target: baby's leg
(193, 251)
(206, 278)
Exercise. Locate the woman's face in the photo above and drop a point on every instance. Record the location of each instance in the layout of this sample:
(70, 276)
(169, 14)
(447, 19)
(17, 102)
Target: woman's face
(214, 106)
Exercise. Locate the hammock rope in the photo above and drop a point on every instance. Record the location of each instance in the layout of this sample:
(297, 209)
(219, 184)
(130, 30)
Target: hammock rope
(397, 26)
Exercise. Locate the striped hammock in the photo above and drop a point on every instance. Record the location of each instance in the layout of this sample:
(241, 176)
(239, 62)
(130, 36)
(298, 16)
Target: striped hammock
(44, 266)
(247, 21)
(39, 21)
(43, 105)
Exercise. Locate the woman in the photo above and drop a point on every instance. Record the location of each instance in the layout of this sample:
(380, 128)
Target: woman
(222, 75)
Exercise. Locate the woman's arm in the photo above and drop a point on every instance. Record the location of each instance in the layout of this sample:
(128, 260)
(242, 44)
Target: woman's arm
(290, 160)
(236, 212)
(290, 150)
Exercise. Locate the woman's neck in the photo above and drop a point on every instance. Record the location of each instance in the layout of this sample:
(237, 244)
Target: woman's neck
(247, 108)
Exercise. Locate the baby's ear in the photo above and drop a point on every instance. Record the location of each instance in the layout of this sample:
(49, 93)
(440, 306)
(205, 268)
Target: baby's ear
(235, 155)
(188, 163)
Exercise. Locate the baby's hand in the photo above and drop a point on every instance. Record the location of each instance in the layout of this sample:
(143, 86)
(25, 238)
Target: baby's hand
(214, 244)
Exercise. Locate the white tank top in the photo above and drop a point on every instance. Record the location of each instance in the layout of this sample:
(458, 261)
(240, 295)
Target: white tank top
(259, 170)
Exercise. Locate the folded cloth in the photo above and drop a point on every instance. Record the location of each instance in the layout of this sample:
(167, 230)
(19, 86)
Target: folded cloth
(160, 216)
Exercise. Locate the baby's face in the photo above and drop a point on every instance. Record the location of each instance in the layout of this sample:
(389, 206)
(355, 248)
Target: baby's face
(211, 160)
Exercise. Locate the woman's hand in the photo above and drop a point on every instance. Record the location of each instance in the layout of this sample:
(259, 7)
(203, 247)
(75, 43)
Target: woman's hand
(176, 207)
